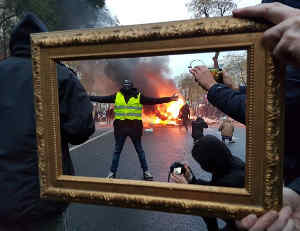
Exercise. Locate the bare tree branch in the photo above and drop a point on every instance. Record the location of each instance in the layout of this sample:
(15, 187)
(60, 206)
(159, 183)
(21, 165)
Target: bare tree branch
(6, 19)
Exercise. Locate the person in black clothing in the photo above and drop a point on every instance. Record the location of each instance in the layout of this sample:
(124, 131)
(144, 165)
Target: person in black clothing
(184, 115)
(233, 102)
(21, 206)
(283, 41)
(227, 170)
(197, 128)
(128, 122)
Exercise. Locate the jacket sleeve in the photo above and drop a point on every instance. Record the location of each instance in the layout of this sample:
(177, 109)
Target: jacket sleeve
(199, 181)
(232, 103)
(76, 119)
(295, 185)
(103, 99)
(152, 101)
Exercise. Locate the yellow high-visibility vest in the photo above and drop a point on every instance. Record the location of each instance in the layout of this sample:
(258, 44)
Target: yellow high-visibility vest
(131, 110)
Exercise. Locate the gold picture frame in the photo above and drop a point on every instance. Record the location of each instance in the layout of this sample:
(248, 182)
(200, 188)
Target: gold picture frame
(264, 146)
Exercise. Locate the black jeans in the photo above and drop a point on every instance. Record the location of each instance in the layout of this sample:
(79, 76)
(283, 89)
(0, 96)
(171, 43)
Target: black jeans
(137, 142)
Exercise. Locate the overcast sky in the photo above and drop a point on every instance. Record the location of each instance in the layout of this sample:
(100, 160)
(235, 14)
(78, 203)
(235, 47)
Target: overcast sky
(151, 11)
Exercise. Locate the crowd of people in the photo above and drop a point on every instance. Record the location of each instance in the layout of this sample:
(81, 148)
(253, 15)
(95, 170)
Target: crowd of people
(21, 206)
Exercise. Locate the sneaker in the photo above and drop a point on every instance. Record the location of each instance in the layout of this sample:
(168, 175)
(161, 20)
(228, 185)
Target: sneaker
(111, 175)
(148, 176)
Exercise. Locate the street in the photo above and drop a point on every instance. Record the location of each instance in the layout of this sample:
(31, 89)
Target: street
(163, 146)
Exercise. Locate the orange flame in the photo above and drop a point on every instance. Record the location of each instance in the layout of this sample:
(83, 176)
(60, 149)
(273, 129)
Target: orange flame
(165, 114)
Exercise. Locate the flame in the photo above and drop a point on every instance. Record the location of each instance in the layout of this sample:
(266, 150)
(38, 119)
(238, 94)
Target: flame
(165, 114)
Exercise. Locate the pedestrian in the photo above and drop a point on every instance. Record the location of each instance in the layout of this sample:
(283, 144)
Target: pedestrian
(128, 106)
(197, 128)
(111, 115)
(21, 208)
(184, 115)
(227, 170)
(226, 128)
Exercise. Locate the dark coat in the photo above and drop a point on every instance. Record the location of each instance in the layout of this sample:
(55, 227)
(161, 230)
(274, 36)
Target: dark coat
(292, 115)
(129, 127)
(184, 112)
(233, 104)
(197, 128)
(19, 176)
(227, 170)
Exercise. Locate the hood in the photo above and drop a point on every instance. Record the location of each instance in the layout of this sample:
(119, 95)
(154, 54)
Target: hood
(19, 43)
(212, 155)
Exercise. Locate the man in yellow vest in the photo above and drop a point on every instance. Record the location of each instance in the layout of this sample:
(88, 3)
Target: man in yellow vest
(128, 107)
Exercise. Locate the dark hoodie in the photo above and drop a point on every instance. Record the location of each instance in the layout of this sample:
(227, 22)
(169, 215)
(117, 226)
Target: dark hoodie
(20, 193)
(227, 170)
(214, 156)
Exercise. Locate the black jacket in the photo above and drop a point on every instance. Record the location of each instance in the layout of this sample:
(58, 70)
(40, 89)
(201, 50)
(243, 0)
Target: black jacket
(233, 104)
(19, 176)
(129, 127)
(227, 170)
(197, 128)
(292, 115)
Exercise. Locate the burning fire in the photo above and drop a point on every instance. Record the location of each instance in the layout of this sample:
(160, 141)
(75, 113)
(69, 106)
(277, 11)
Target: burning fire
(165, 114)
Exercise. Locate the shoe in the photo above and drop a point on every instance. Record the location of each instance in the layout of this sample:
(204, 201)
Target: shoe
(111, 175)
(148, 176)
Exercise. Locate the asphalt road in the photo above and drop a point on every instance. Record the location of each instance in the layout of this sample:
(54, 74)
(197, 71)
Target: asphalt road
(163, 146)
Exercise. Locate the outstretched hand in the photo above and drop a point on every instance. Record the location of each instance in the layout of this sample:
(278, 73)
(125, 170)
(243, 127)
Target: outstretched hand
(174, 97)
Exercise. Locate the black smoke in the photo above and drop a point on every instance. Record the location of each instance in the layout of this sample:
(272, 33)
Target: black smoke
(81, 14)
(151, 75)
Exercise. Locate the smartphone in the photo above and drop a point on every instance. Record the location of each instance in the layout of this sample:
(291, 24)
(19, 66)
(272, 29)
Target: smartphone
(217, 74)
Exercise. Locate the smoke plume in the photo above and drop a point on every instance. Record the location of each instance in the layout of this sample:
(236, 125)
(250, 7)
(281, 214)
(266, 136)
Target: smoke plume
(80, 14)
(150, 75)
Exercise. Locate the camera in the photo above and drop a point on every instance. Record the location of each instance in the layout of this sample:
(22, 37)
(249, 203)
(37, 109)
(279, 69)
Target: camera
(177, 168)
(217, 74)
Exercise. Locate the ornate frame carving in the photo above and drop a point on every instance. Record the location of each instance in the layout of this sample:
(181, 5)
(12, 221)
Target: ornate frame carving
(263, 183)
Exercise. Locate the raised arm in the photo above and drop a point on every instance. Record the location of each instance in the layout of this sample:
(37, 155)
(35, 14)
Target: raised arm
(152, 101)
(103, 99)
(231, 102)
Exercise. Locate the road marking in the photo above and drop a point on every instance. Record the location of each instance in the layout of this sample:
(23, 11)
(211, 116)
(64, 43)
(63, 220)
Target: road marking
(90, 140)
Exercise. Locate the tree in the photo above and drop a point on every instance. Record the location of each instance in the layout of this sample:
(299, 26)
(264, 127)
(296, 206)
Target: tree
(56, 14)
(236, 66)
(45, 10)
(211, 8)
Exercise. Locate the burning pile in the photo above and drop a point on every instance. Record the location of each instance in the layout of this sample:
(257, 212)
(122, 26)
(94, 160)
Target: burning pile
(149, 74)
(164, 114)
